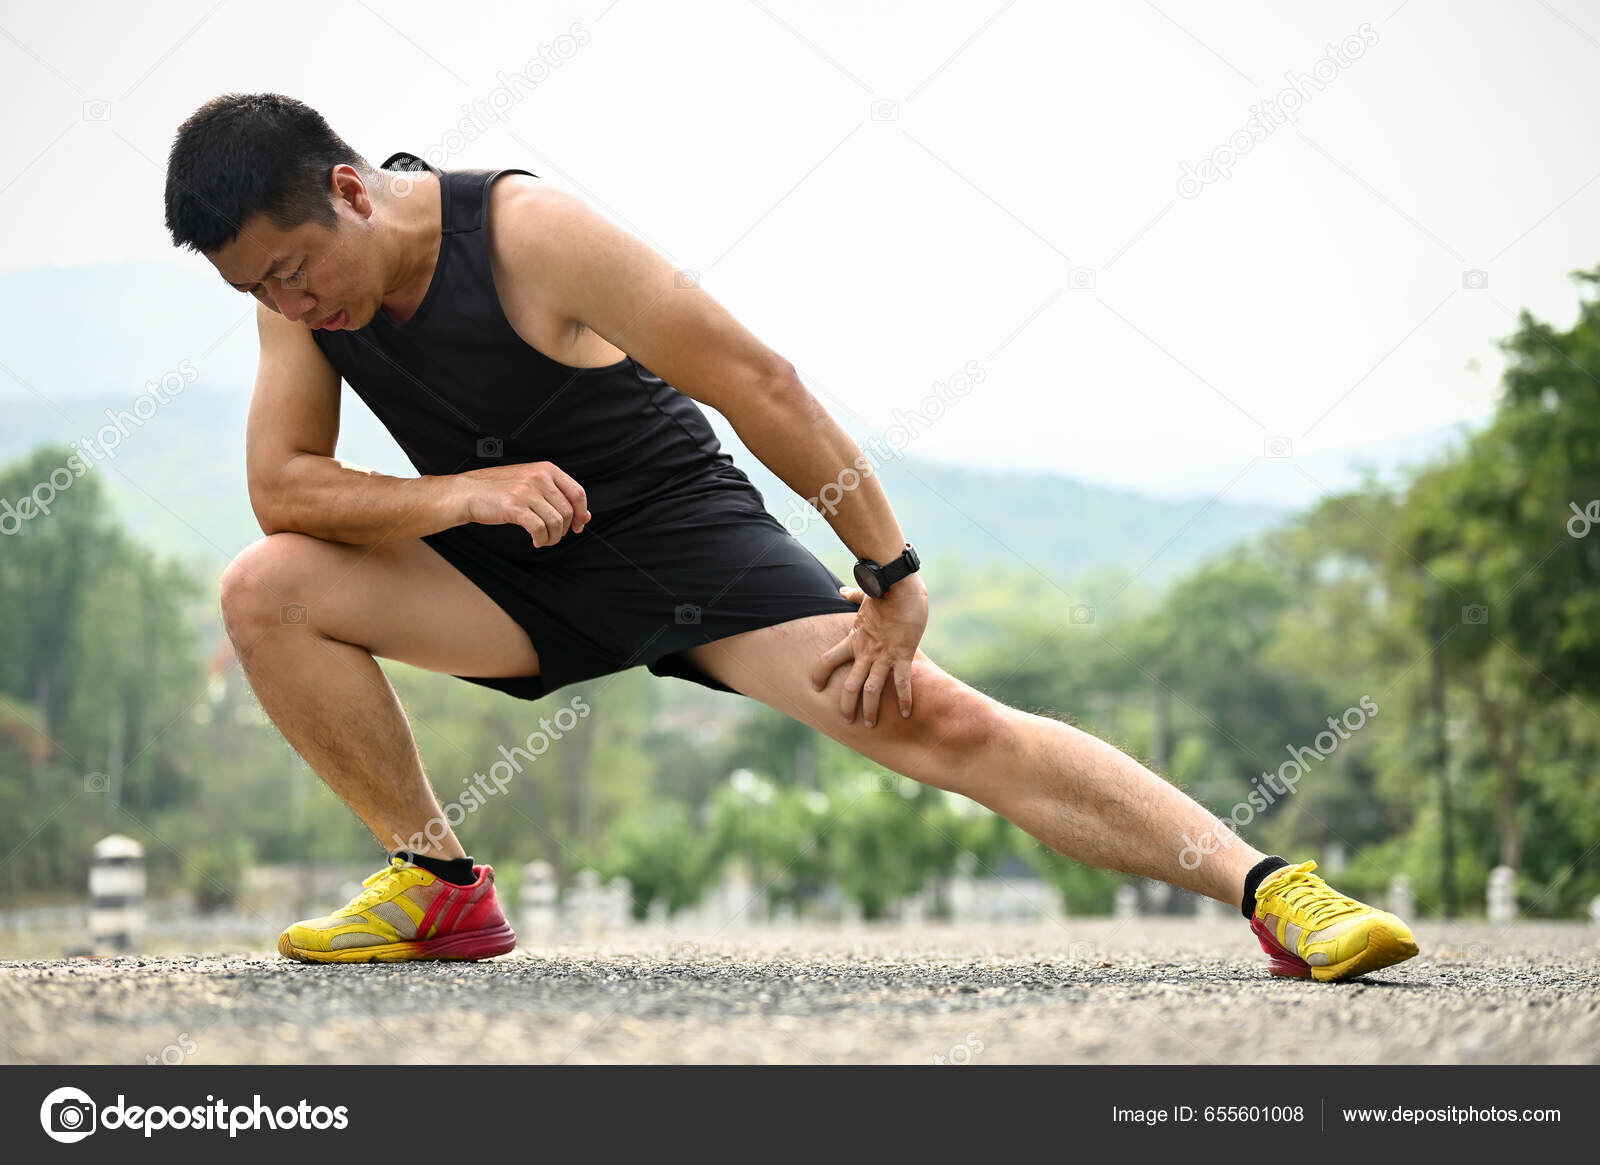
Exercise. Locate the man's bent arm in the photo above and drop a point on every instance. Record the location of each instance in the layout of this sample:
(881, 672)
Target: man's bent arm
(296, 483)
(340, 502)
(578, 263)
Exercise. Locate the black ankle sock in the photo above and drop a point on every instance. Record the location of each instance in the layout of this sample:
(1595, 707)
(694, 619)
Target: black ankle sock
(456, 871)
(1254, 878)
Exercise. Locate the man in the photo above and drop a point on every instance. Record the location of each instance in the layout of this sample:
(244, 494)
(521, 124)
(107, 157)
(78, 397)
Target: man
(575, 516)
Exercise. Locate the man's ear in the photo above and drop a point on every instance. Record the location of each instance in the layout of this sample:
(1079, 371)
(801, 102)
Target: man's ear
(347, 186)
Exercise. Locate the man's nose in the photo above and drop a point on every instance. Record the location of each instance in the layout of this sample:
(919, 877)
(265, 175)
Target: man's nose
(291, 303)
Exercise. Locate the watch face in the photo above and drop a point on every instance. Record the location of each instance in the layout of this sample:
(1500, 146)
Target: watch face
(867, 580)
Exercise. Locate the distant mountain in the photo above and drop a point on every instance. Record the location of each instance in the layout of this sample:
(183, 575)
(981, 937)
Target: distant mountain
(85, 331)
(76, 342)
(178, 480)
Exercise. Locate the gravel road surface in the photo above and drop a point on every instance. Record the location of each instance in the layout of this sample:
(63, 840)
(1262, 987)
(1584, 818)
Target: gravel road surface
(1095, 991)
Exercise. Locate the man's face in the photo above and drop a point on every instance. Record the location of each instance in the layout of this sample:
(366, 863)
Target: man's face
(317, 275)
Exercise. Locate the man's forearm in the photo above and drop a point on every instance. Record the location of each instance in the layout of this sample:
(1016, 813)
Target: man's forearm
(339, 502)
(795, 437)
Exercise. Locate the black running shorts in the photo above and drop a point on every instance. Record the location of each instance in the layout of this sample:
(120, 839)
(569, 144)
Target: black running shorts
(681, 571)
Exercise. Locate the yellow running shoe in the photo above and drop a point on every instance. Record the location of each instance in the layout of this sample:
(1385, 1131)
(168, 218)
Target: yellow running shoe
(1311, 931)
(406, 913)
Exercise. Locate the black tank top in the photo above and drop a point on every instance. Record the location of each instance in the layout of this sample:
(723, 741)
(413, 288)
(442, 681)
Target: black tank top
(459, 389)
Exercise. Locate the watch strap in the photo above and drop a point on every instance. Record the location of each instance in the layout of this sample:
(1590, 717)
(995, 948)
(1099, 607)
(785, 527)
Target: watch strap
(906, 563)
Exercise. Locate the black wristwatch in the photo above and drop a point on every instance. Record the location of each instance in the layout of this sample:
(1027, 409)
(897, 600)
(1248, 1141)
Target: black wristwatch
(876, 580)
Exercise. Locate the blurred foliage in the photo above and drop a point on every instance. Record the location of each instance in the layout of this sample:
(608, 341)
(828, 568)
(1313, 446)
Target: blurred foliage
(120, 708)
(216, 874)
(662, 854)
(101, 661)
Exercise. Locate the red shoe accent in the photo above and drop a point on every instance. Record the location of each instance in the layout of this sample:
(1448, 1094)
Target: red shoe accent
(477, 944)
(466, 922)
(1282, 961)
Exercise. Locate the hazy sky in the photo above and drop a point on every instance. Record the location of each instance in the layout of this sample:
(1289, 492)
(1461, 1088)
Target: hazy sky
(885, 192)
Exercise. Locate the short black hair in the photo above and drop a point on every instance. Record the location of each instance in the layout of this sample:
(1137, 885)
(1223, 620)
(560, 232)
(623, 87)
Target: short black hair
(251, 153)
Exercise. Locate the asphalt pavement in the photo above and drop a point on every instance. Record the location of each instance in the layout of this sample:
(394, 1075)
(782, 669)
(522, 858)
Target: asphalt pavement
(1079, 991)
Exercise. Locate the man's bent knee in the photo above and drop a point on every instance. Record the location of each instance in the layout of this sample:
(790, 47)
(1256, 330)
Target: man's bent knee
(954, 736)
(964, 721)
(264, 583)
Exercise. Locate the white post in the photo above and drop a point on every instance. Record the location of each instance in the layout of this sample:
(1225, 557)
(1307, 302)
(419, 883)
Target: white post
(1594, 910)
(1159, 895)
(538, 915)
(588, 903)
(1502, 895)
(736, 901)
(1127, 901)
(619, 903)
(983, 899)
(116, 894)
(1400, 900)
(963, 898)
(657, 915)
(911, 910)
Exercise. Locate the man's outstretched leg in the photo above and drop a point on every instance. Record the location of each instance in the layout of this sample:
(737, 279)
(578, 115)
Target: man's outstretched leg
(307, 617)
(1076, 793)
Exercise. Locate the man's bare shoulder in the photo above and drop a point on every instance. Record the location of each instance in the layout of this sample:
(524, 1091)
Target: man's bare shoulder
(543, 242)
(541, 232)
(523, 212)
